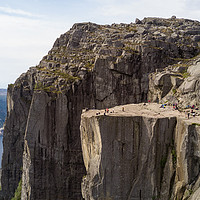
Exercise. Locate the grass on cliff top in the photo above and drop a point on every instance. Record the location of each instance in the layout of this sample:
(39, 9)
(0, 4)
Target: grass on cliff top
(17, 195)
(195, 124)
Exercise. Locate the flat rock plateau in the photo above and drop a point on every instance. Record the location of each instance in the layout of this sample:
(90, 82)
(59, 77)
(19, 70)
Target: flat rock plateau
(140, 151)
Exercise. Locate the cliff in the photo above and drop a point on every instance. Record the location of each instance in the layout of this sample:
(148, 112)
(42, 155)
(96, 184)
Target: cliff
(145, 152)
(90, 66)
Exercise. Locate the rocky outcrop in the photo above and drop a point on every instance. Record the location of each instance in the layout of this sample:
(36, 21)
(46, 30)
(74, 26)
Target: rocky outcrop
(50, 155)
(140, 154)
(178, 83)
(93, 66)
(18, 103)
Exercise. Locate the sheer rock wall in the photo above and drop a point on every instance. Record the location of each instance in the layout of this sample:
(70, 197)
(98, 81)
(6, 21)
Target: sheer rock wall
(140, 157)
(93, 66)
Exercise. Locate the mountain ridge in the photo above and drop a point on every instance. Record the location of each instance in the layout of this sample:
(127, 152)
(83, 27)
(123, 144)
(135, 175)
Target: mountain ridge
(90, 66)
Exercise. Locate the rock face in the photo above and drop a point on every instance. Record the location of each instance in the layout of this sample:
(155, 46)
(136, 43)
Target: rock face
(178, 83)
(50, 155)
(18, 103)
(90, 66)
(140, 156)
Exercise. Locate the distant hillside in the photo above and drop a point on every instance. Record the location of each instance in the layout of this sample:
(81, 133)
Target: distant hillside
(3, 92)
(2, 106)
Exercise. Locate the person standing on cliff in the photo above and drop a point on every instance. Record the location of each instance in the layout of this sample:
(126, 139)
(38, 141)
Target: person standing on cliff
(188, 115)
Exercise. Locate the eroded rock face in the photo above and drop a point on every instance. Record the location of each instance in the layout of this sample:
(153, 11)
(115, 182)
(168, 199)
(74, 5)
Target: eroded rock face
(178, 83)
(52, 152)
(47, 158)
(188, 159)
(18, 103)
(124, 163)
(93, 66)
(140, 156)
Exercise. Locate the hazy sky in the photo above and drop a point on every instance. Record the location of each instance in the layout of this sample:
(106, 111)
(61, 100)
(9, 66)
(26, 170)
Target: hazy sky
(28, 28)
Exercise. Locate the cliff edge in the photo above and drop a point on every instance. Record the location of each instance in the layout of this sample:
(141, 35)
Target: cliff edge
(143, 152)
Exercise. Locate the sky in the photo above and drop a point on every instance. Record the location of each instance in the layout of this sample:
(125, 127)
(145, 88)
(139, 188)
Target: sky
(28, 28)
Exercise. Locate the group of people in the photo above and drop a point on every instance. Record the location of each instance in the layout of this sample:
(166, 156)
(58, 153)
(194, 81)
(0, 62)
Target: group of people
(192, 107)
(187, 113)
(191, 112)
(163, 105)
(106, 111)
(175, 106)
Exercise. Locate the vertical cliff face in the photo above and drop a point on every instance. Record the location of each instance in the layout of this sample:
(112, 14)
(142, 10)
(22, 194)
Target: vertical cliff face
(47, 158)
(90, 66)
(130, 157)
(187, 177)
(139, 157)
(18, 103)
(52, 152)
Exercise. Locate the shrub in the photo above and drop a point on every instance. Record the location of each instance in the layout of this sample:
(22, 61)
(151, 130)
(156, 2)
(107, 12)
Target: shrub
(17, 195)
(186, 74)
(174, 91)
(196, 124)
(174, 157)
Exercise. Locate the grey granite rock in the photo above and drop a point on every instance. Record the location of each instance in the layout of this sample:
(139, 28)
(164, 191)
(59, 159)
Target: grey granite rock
(93, 66)
(140, 154)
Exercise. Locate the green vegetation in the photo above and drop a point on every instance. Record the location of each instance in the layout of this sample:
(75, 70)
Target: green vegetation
(188, 193)
(55, 73)
(185, 74)
(39, 86)
(166, 30)
(180, 65)
(155, 197)
(89, 66)
(156, 48)
(84, 176)
(174, 157)
(65, 75)
(182, 59)
(174, 91)
(11, 85)
(131, 29)
(196, 124)
(17, 195)
(184, 62)
(131, 49)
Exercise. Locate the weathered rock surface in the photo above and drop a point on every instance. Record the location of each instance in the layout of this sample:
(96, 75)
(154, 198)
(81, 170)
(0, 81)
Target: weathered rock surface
(93, 66)
(145, 152)
(178, 83)
(18, 103)
(49, 156)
